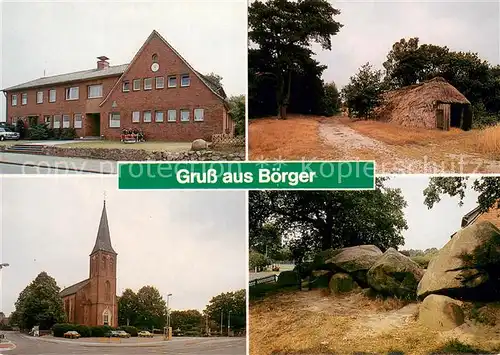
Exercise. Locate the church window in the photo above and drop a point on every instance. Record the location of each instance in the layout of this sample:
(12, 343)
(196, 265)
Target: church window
(107, 291)
(105, 317)
(104, 263)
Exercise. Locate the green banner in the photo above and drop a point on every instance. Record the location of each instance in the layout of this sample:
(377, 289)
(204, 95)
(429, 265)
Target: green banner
(327, 175)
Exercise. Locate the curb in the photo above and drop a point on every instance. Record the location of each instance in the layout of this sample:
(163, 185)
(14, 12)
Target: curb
(57, 168)
(96, 345)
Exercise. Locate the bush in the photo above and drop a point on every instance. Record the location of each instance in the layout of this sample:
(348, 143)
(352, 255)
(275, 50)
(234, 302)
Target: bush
(21, 128)
(83, 330)
(38, 132)
(60, 328)
(257, 260)
(129, 329)
(100, 330)
(68, 133)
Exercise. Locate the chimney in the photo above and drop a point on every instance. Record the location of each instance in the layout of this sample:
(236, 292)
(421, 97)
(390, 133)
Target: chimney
(102, 63)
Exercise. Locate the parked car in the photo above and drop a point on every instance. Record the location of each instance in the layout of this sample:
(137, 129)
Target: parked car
(6, 134)
(72, 334)
(122, 334)
(145, 334)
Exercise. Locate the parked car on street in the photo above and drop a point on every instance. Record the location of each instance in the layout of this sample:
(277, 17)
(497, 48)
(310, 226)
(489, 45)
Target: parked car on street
(7, 134)
(145, 334)
(72, 334)
(117, 334)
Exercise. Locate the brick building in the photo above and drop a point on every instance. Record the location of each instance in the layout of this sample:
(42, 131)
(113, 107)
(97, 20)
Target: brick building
(93, 301)
(158, 92)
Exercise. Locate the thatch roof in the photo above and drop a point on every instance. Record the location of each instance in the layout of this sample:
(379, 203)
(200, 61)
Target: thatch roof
(415, 105)
(431, 91)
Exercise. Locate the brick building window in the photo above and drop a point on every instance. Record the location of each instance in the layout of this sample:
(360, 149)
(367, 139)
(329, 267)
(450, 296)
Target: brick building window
(155, 58)
(136, 117)
(146, 117)
(148, 84)
(78, 120)
(172, 115)
(137, 84)
(95, 91)
(24, 99)
(114, 120)
(199, 114)
(47, 121)
(52, 95)
(160, 82)
(66, 121)
(14, 100)
(184, 115)
(57, 121)
(39, 97)
(107, 291)
(105, 317)
(159, 116)
(172, 81)
(72, 93)
(185, 80)
(126, 86)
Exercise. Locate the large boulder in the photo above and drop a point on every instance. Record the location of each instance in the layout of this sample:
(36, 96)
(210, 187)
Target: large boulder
(355, 260)
(288, 279)
(341, 283)
(320, 260)
(440, 313)
(444, 274)
(320, 279)
(199, 144)
(395, 274)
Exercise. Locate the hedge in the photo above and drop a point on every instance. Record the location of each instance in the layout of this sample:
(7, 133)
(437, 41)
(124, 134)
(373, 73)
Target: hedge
(98, 331)
(129, 329)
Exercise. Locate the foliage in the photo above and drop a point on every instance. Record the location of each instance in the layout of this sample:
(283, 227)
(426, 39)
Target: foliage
(267, 289)
(257, 260)
(21, 128)
(319, 220)
(215, 78)
(62, 133)
(454, 346)
(187, 321)
(39, 304)
(60, 328)
(237, 112)
(128, 307)
(410, 62)
(100, 330)
(288, 278)
(364, 92)
(266, 239)
(38, 132)
(84, 331)
(488, 188)
(225, 302)
(129, 329)
(331, 99)
(145, 309)
(281, 32)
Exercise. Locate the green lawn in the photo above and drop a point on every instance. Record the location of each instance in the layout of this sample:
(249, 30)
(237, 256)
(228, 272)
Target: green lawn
(165, 146)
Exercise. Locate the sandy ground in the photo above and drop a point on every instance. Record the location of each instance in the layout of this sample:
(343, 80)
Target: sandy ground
(395, 149)
(310, 321)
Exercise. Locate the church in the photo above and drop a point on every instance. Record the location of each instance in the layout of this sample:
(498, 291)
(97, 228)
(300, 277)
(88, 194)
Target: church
(93, 301)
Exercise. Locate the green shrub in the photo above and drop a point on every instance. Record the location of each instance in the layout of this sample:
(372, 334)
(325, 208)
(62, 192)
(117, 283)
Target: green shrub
(257, 260)
(457, 347)
(83, 330)
(129, 329)
(100, 330)
(288, 278)
(68, 133)
(60, 328)
(38, 132)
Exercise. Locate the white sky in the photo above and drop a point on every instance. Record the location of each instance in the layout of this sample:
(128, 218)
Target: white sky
(372, 27)
(188, 243)
(430, 228)
(62, 37)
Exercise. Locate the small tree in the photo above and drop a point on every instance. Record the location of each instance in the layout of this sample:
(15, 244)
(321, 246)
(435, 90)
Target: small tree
(331, 99)
(237, 112)
(257, 260)
(363, 93)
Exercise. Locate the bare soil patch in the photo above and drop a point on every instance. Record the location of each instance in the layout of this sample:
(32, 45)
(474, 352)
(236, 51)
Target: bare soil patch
(309, 322)
(395, 149)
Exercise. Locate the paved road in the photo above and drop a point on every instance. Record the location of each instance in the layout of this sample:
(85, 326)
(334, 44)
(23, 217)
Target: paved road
(194, 346)
(12, 163)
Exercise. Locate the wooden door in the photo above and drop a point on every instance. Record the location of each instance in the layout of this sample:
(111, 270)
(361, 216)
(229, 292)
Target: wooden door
(440, 123)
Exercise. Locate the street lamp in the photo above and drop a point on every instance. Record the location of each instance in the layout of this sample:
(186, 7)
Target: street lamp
(3, 265)
(168, 310)
(228, 322)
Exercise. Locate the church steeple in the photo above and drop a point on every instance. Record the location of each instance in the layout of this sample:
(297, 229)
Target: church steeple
(103, 240)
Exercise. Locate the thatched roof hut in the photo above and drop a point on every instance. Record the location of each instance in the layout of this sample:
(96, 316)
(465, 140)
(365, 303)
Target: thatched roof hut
(431, 104)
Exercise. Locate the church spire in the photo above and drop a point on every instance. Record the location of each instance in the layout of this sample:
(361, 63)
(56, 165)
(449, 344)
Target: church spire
(103, 240)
